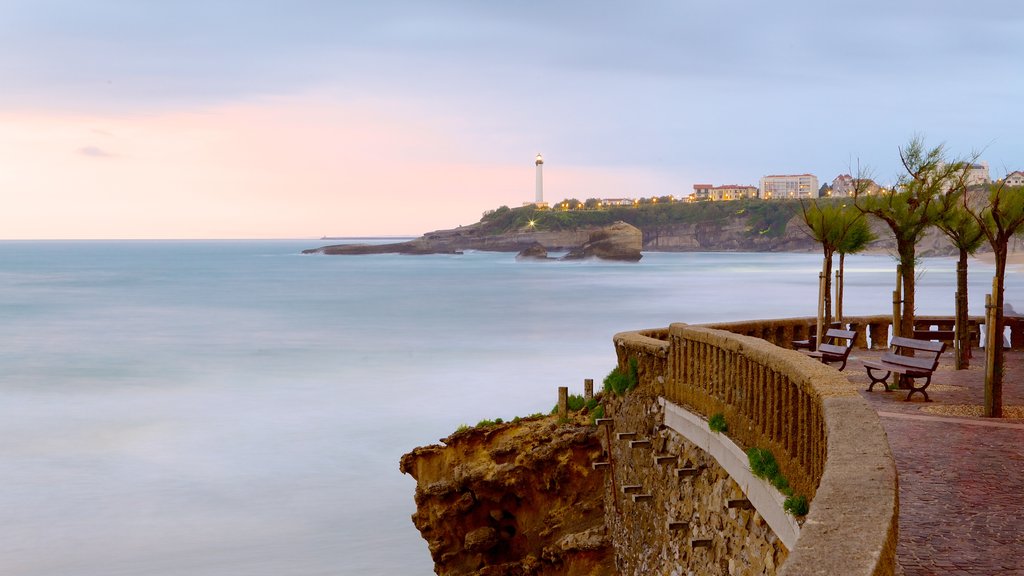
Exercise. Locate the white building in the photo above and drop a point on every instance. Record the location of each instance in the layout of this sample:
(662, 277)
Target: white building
(1015, 178)
(617, 202)
(789, 186)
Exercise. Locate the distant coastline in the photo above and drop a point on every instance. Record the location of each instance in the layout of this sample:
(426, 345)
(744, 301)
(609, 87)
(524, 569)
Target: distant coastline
(733, 226)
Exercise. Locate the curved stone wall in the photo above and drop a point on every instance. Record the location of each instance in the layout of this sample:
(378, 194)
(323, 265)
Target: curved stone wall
(828, 442)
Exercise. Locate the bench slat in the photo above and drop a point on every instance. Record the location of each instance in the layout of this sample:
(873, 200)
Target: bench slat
(832, 349)
(918, 363)
(923, 345)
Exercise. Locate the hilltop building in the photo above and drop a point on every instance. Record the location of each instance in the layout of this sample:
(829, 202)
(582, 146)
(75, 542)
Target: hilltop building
(789, 186)
(617, 202)
(977, 174)
(1015, 178)
(844, 186)
(725, 192)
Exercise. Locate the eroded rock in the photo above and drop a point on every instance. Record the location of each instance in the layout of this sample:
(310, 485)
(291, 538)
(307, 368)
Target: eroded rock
(527, 502)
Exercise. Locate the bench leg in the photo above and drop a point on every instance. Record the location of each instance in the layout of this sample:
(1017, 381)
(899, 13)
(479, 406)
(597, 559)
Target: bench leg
(875, 380)
(921, 389)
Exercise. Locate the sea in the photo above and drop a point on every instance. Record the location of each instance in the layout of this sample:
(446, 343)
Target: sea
(220, 408)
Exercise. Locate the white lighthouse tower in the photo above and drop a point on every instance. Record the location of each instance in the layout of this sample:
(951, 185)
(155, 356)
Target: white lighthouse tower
(540, 180)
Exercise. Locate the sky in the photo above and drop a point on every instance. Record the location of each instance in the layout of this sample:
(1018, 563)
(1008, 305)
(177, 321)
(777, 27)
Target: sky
(275, 119)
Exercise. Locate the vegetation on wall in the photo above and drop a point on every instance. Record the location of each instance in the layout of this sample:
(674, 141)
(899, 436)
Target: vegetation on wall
(717, 423)
(763, 465)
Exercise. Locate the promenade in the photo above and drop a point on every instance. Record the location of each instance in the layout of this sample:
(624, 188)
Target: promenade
(961, 477)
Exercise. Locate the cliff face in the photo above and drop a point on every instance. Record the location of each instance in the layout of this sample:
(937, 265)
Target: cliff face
(732, 234)
(513, 499)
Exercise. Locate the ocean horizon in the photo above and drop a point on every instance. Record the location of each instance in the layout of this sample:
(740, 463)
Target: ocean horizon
(233, 407)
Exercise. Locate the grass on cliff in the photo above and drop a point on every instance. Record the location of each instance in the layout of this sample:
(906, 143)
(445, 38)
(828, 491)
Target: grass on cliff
(620, 382)
(488, 422)
(577, 402)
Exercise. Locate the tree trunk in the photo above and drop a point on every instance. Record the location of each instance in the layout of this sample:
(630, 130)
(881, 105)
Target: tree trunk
(827, 269)
(961, 333)
(994, 347)
(907, 262)
(839, 288)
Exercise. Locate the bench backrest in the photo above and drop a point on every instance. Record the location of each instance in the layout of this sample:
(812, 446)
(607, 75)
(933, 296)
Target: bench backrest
(837, 333)
(929, 359)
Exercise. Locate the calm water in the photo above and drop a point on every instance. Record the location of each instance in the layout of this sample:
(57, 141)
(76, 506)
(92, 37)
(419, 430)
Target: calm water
(235, 408)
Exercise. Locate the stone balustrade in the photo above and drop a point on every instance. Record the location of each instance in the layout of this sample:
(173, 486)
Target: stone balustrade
(827, 440)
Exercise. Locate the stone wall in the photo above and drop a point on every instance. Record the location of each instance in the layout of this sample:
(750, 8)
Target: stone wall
(664, 521)
(828, 443)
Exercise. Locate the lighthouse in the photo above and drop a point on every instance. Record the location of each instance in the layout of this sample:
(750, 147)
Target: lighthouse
(540, 179)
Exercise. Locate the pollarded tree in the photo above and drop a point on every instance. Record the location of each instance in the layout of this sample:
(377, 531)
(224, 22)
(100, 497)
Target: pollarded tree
(856, 239)
(966, 235)
(1000, 216)
(911, 207)
(836, 227)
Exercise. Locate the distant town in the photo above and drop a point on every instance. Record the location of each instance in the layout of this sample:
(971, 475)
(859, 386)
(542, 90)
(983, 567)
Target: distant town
(772, 187)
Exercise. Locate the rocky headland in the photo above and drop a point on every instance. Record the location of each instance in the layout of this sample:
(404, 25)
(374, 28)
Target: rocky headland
(622, 234)
(514, 499)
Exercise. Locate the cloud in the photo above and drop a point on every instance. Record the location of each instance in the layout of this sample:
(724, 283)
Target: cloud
(95, 152)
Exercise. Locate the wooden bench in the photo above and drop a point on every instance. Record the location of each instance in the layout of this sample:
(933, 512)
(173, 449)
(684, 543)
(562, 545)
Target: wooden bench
(918, 366)
(809, 343)
(831, 349)
(812, 338)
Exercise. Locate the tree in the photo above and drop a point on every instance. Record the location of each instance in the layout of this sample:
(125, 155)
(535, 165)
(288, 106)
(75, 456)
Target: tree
(909, 208)
(1000, 216)
(592, 203)
(857, 237)
(966, 235)
(835, 226)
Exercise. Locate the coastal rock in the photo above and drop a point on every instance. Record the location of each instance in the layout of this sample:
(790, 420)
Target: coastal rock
(535, 251)
(619, 241)
(517, 498)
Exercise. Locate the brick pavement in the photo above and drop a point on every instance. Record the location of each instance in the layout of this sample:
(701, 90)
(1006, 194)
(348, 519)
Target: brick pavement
(961, 478)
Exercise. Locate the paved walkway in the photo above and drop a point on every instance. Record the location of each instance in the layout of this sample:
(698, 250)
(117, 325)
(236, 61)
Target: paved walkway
(961, 478)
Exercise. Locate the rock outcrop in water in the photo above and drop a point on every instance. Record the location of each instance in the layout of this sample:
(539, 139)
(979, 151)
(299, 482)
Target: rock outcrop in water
(513, 499)
(620, 241)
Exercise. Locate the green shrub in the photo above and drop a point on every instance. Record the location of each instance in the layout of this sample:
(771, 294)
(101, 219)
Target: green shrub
(717, 423)
(620, 382)
(576, 402)
(796, 505)
(462, 428)
(597, 412)
(763, 464)
(484, 423)
(616, 382)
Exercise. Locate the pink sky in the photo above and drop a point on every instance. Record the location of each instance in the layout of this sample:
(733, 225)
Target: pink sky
(277, 168)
